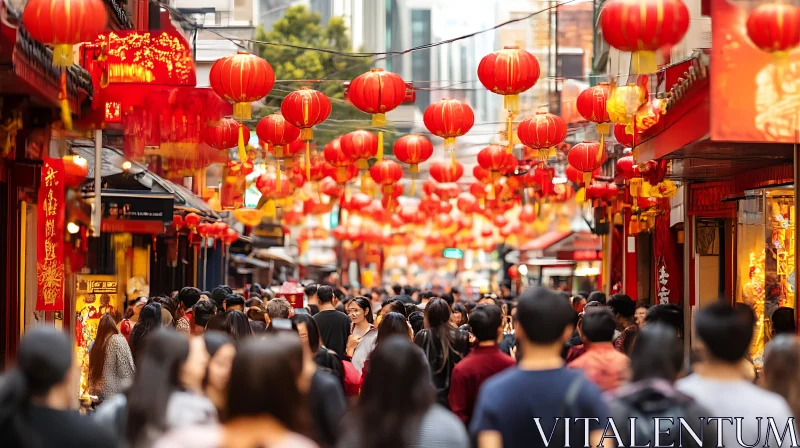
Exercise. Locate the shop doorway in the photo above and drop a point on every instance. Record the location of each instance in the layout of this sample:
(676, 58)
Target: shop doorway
(712, 247)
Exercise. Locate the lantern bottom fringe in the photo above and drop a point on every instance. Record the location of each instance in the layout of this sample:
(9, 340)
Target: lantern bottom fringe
(363, 182)
(278, 151)
(511, 103)
(413, 181)
(308, 159)
(587, 178)
(242, 151)
(510, 131)
(378, 119)
(453, 160)
(306, 134)
(269, 209)
(413, 169)
(66, 114)
(278, 176)
(362, 164)
(62, 55)
(450, 143)
(380, 145)
(643, 62)
(242, 111)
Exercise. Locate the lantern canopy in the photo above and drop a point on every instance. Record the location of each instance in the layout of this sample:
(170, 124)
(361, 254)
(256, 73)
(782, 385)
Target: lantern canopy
(241, 79)
(642, 27)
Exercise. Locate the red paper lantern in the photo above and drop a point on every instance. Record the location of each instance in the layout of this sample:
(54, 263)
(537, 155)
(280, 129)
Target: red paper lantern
(334, 155)
(241, 79)
(479, 190)
(220, 229)
(528, 214)
(413, 149)
(273, 186)
(230, 236)
(386, 172)
(774, 27)
(541, 178)
(276, 132)
(76, 168)
(467, 203)
(587, 157)
(623, 138)
(225, 134)
(500, 221)
(338, 174)
(496, 160)
(359, 146)
(448, 119)
(446, 191)
(591, 104)
(626, 167)
(642, 27)
(576, 176)
(177, 222)
(509, 72)
(481, 174)
(192, 220)
(329, 187)
(377, 92)
(306, 108)
(441, 171)
(543, 130)
(64, 23)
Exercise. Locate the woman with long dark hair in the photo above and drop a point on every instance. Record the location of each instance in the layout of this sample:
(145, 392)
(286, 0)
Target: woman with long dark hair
(270, 411)
(221, 350)
(656, 361)
(443, 345)
(393, 324)
(166, 391)
(781, 363)
(149, 321)
(362, 332)
(237, 325)
(38, 397)
(132, 314)
(397, 407)
(110, 360)
(308, 330)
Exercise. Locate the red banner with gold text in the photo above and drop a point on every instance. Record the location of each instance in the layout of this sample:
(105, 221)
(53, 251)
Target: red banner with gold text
(50, 238)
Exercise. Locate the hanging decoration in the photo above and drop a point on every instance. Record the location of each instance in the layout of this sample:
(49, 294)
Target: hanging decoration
(775, 28)
(377, 92)
(623, 103)
(542, 131)
(242, 78)
(224, 135)
(386, 173)
(509, 72)
(50, 268)
(64, 23)
(587, 157)
(622, 136)
(413, 149)
(642, 27)
(591, 104)
(306, 108)
(627, 168)
(497, 161)
(441, 171)
(276, 134)
(449, 118)
(335, 157)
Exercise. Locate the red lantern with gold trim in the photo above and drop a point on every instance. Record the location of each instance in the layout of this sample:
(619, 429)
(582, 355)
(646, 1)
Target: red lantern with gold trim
(340, 175)
(642, 27)
(413, 149)
(359, 146)
(241, 79)
(576, 176)
(64, 23)
(623, 138)
(528, 214)
(76, 168)
(542, 130)
(775, 27)
(591, 104)
(509, 72)
(448, 119)
(334, 156)
(626, 167)
(274, 131)
(496, 160)
(377, 92)
(385, 173)
(306, 108)
(441, 171)
(587, 157)
(225, 134)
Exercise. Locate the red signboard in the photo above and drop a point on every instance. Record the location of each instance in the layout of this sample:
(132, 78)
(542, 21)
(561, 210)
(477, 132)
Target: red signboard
(50, 238)
(753, 98)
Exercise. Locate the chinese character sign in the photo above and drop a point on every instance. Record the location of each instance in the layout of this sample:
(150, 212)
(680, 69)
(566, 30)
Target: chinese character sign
(50, 238)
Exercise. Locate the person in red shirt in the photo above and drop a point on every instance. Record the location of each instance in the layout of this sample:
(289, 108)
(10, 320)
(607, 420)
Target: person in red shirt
(602, 364)
(483, 361)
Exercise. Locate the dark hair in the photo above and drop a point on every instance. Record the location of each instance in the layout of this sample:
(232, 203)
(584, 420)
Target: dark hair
(255, 288)
(417, 321)
(325, 294)
(97, 354)
(311, 289)
(203, 310)
(409, 290)
(448, 298)
(427, 295)
(393, 324)
(168, 303)
(543, 315)
(234, 300)
(388, 417)
(395, 306)
(237, 325)
(365, 305)
(657, 353)
(437, 318)
(397, 289)
(725, 331)
(783, 321)
(469, 305)
(667, 314)
(189, 296)
(149, 321)
(597, 296)
(491, 297)
(157, 376)
(781, 362)
(484, 322)
(279, 308)
(256, 314)
(253, 301)
(214, 340)
(219, 294)
(622, 305)
(314, 339)
(460, 308)
(43, 360)
(410, 308)
(270, 367)
(599, 325)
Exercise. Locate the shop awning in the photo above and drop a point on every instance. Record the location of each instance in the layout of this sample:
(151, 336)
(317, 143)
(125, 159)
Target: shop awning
(274, 253)
(545, 241)
(243, 260)
(579, 246)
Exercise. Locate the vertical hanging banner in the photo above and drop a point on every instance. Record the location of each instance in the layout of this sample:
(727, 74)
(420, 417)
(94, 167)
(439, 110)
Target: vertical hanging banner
(50, 238)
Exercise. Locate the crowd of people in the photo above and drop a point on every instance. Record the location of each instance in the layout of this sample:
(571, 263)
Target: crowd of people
(408, 369)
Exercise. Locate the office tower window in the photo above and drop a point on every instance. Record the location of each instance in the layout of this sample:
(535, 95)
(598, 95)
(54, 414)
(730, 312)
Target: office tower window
(421, 60)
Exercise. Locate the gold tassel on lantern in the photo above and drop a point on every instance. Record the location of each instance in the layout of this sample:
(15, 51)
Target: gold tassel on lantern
(587, 178)
(643, 62)
(453, 160)
(242, 151)
(510, 130)
(278, 178)
(511, 103)
(308, 159)
(66, 114)
(378, 120)
(242, 111)
(414, 169)
(602, 129)
(380, 144)
(62, 55)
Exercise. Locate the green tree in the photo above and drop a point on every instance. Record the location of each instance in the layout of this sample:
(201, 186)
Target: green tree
(301, 27)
